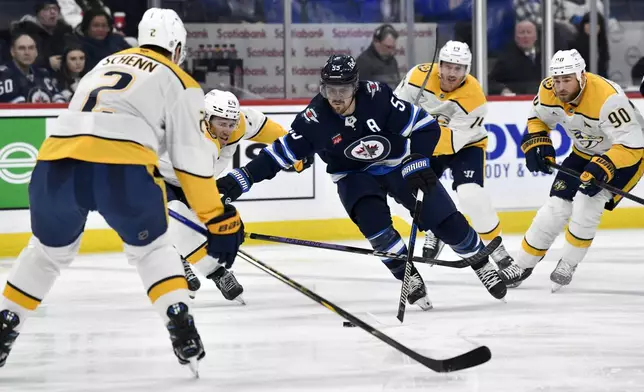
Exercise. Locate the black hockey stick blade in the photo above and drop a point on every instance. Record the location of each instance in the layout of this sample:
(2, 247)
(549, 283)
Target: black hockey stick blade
(600, 184)
(466, 262)
(467, 360)
(411, 244)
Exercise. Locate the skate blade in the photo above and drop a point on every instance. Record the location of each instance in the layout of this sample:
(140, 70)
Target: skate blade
(240, 299)
(193, 364)
(513, 285)
(555, 287)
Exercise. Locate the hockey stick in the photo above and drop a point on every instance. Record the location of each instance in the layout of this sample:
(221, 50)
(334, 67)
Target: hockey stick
(600, 184)
(466, 262)
(431, 67)
(469, 359)
(404, 289)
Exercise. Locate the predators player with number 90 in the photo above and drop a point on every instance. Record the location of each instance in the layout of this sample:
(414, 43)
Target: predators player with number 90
(608, 145)
(102, 154)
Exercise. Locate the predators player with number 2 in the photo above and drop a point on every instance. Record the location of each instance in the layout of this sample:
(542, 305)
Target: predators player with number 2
(225, 125)
(608, 145)
(457, 101)
(102, 155)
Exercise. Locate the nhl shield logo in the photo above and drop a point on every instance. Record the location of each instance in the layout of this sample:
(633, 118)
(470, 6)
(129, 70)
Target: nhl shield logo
(368, 149)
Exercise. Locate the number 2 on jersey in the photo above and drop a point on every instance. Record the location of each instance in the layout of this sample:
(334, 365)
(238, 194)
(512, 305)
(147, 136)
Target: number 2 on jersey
(123, 82)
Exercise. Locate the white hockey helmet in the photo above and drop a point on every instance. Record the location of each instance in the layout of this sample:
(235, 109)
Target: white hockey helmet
(163, 28)
(222, 104)
(456, 52)
(566, 62)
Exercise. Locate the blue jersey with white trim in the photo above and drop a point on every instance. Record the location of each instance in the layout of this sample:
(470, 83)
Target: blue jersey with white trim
(380, 133)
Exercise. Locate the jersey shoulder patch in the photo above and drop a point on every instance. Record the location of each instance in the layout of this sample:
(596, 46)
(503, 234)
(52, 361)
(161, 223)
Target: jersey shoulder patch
(547, 95)
(419, 72)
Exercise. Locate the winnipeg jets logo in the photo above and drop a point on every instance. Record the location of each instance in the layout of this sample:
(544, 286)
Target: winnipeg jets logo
(368, 149)
(310, 115)
(350, 122)
(373, 88)
(585, 140)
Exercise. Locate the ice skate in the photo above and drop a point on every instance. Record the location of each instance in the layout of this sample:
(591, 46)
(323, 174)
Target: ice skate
(503, 260)
(418, 292)
(562, 275)
(514, 274)
(8, 322)
(184, 336)
(489, 276)
(228, 285)
(432, 246)
(193, 281)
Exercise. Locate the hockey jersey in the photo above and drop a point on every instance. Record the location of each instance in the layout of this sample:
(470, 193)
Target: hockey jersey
(37, 86)
(461, 111)
(131, 108)
(604, 121)
(374, 139)
(253, 125)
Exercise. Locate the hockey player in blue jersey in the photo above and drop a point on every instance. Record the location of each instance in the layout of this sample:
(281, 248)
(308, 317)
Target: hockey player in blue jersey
(21, 81)
(367, 137)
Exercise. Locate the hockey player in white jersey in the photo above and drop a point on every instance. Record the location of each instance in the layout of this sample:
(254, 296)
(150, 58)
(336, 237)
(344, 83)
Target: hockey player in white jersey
(225, 124)
(608, 145)
(102, 154)
(457, 100)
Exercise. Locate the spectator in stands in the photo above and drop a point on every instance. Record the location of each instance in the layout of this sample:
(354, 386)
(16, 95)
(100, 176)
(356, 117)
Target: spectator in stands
(637, 72)
(71, 71)
(49, 30)
(564, 30)
(582, 43)
(518, 69)
(378, 62)
(96, 37)
(21, 80)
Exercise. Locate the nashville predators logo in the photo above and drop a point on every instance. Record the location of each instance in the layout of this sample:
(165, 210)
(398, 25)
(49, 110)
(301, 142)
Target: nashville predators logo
(559, 185)
(424, 67)
(585, 140)
(547, 84)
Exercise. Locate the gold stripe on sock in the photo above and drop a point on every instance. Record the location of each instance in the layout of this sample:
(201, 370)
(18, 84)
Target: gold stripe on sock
(21, 298)
(197, 254)
(576, 241)
(532, 250)
(492, 234)
(167, 285)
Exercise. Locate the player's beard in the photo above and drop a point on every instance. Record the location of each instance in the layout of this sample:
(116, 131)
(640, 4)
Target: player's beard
(340, 106)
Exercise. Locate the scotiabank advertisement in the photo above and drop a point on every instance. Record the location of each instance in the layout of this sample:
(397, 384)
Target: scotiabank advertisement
(261, 48)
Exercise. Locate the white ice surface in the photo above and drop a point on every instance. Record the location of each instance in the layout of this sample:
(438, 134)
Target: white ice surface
(96, 331)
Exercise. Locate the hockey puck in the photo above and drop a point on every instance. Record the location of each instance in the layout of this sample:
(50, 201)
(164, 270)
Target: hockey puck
(348, 324)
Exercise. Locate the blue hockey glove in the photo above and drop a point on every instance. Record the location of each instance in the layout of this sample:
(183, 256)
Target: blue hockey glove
(418, 174)
(225, 235)
(600, 168)
(538, 149)
(232, 185)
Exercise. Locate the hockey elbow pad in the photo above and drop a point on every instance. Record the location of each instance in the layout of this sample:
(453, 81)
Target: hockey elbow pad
(232, 185)
(538, 150)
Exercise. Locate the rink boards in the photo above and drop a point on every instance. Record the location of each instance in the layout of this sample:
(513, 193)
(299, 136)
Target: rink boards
(301, 205)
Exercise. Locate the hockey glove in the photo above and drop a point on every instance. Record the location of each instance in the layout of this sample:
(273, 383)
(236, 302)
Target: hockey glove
(225, 235)
(538, 149)
(599, 168)
(303, 164)
(232, 185)
(418, 174)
